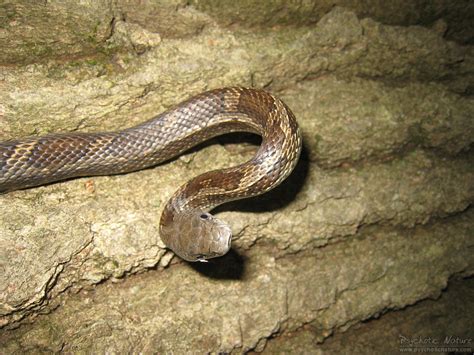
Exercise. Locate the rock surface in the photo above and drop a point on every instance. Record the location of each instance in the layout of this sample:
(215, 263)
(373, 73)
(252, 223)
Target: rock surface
(436, 326)
(376, 216)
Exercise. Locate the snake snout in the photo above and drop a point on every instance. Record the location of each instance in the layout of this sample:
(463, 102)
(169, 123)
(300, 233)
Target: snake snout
(222, 238)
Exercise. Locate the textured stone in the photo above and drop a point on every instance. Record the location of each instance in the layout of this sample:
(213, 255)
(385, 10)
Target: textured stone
(432, 326)
(238, 302)
(375, 217)
(32, 31)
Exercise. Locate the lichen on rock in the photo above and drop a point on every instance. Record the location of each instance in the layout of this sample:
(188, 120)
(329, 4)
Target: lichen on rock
(376, 216)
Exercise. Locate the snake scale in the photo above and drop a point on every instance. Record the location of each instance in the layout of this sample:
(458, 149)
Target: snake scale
(186, 227)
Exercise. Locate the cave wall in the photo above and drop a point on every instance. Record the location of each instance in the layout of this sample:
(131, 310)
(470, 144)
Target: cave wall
(375, 217)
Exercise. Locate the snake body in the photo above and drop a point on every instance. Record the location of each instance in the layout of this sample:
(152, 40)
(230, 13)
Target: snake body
(186, 227)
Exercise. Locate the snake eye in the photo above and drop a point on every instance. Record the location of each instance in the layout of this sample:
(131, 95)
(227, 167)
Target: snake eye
(204, 216)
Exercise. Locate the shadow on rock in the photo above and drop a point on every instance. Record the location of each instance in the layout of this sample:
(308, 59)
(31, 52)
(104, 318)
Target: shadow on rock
(228, 267)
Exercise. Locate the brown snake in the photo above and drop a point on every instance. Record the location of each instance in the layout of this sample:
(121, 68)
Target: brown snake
(186, 227)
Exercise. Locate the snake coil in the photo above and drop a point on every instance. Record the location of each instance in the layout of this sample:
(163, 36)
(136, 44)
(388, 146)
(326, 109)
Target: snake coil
(186, 226)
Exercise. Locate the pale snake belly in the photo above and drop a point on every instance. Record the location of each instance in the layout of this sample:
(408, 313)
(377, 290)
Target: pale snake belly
(186, 227)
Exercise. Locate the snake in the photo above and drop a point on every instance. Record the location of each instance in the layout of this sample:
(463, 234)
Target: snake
(186, 225)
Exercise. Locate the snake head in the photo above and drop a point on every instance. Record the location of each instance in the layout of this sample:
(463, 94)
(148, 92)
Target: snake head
(197, 236)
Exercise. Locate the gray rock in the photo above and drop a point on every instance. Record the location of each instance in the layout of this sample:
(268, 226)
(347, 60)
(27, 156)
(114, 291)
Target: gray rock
(375, 217)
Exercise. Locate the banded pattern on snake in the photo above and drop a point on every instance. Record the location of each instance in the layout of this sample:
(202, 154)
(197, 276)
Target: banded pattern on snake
(186, 227)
